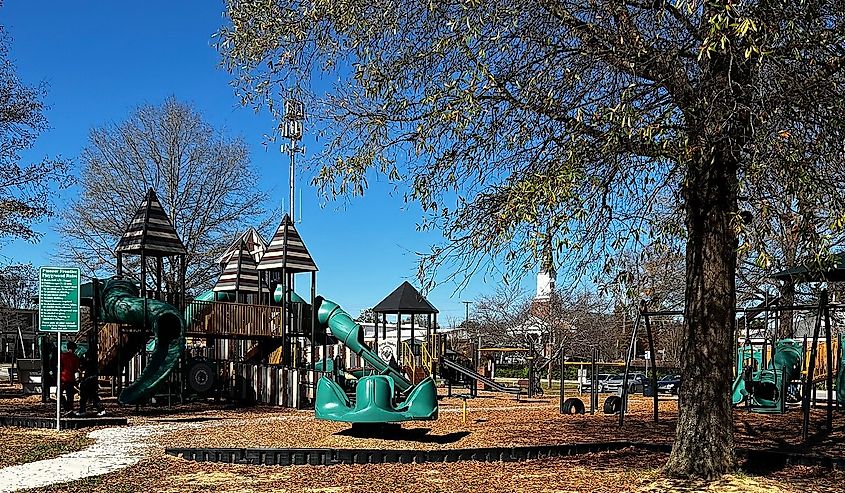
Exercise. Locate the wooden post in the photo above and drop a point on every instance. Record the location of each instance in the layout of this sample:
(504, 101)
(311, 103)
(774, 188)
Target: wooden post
(808, 384)
(829, 357)
(594, 382)
(183, 272)
(159, 268)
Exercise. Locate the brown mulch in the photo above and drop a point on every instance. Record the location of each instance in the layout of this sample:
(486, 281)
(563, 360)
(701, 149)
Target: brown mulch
(492, 420)
(611, 472)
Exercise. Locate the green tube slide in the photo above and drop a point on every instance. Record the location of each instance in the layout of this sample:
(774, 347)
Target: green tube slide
(352, 336)
(767, 387)
(375, 395)
(119, 303)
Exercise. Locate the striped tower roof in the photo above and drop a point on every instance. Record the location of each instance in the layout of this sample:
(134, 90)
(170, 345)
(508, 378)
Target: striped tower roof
(150, 232)
(240, 273)
(287, 251)
(255, 245)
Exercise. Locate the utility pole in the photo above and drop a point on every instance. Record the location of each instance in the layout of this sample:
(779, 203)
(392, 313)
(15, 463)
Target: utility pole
(466, 317)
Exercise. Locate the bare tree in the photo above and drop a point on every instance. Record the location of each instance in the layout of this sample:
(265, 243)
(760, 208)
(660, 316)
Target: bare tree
(366, 315)
(203, 179)
(24, 188)
(501, 318)
(572, 322)
(18, 286)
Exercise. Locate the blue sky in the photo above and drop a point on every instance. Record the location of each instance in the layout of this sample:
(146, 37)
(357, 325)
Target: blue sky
(101, 59)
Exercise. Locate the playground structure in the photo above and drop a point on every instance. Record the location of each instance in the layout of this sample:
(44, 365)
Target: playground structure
(250, 337)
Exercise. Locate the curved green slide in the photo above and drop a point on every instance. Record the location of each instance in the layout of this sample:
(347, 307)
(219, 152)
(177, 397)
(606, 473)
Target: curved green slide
(119, 303)
(768, 386)
(375, 395)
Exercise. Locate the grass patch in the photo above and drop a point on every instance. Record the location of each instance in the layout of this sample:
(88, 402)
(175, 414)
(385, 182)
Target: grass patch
(20, 446)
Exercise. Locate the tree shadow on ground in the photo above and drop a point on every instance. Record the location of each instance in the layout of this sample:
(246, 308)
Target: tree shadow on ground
(419, 435)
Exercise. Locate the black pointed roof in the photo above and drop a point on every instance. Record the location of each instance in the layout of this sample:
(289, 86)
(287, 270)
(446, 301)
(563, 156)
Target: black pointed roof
(151, 232)
(405, 299)
(834, 271)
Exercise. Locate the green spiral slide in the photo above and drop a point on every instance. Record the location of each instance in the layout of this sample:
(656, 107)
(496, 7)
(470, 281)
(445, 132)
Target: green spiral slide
(119, 303)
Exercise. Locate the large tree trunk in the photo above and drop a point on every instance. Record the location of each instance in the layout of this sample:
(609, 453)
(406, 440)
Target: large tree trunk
(703, 445)
(787, 298)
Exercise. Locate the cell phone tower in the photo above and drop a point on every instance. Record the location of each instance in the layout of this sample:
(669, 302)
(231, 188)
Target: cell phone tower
(291, 128)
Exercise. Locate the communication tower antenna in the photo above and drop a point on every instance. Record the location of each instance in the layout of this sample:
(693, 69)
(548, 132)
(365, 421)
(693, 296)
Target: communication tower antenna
(291, 128)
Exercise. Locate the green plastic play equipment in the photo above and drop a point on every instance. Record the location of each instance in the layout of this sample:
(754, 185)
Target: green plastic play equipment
(375, 395)
(120, 303)
(194, 308)
(767, 387)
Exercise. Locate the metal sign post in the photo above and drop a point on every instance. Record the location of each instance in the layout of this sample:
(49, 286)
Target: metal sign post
(58, 381)
(58, 311)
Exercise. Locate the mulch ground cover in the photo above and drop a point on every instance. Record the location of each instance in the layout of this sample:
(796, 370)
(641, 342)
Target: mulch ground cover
(491, 420)
(611, 472)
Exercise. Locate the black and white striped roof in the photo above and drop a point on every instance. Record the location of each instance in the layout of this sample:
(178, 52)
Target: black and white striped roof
(254, 243)
(240, 273)
(287, 251)
(150, 232)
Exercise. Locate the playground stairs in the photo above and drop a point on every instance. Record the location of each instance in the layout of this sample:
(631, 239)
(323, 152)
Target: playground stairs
(415, 374)
(117, 343)
(417, 367)
(267, 349)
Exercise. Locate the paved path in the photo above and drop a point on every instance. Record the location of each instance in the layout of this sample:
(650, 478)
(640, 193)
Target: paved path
(113, 449)
(120, 447)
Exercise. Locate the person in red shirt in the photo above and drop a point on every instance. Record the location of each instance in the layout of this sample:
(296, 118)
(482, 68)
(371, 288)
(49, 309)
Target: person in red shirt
(70, 365)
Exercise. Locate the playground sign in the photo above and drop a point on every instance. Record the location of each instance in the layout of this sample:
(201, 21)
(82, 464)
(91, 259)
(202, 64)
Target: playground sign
(58, 299)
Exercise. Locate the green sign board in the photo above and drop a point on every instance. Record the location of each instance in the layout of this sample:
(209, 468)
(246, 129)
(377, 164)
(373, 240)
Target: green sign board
(58, 299)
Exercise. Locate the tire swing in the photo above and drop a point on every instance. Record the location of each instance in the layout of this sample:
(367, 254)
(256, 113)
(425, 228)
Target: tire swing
(612, 404)
(573, 405)
(201, 377)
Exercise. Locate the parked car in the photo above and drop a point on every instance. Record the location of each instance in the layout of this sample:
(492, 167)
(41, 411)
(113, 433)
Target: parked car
(602, 377)
(636, 381)
(669, 384)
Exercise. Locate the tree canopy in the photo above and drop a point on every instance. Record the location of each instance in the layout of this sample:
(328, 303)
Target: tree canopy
(25, 189)
(583, 122)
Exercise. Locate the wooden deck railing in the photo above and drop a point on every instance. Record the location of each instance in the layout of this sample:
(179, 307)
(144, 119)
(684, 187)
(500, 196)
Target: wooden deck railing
(237, 320)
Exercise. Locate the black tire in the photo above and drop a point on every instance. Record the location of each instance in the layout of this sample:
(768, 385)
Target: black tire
(612, 404)
(573, 405)
(201, 377)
